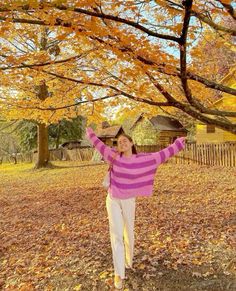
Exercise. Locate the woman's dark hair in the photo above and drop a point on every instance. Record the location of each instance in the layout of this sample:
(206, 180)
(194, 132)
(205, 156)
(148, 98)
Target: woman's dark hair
(134, 151)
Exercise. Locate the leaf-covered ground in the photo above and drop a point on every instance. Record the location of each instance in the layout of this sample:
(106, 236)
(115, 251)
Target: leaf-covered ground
(54, 230)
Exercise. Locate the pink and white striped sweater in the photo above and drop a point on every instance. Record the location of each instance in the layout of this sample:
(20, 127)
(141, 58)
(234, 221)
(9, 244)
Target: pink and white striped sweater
(133, 176)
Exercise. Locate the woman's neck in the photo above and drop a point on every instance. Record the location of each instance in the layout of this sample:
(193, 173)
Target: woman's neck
(128, 154)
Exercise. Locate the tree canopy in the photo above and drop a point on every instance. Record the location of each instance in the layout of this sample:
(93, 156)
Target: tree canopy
(64, 58)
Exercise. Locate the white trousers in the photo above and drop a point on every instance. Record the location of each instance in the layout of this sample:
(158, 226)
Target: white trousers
(121, 215)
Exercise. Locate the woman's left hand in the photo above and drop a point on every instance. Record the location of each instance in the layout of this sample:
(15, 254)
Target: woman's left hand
(181, 140)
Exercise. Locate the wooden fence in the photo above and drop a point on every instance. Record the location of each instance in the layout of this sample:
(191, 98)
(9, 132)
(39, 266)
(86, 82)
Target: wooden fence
(213, 154)
(18, 158)
(83, 154)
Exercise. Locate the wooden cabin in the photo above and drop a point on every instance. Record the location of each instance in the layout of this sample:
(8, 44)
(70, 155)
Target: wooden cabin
(159, 129)
(208, 133)
(109, 134)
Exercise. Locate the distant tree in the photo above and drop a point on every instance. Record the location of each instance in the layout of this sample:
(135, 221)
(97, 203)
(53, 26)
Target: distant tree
(57, 133)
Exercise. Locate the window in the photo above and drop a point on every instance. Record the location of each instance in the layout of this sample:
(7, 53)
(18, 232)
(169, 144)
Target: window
(210, 128)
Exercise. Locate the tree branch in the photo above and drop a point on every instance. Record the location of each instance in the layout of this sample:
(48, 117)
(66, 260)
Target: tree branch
(183, 53)
(120, 20)
(160, 68)
(214, 25)
(59, 22)
(205, 19)
(191, 111)
(150, 102)
(119, 91)
(171, 102)
(47, 63)
(229, 9)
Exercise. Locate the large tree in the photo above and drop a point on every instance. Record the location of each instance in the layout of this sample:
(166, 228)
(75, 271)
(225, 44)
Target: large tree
(142, 51)
(27, 91)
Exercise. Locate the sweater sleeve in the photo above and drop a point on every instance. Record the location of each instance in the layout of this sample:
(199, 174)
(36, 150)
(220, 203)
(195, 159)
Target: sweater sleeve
(163, 155)
(106, 152)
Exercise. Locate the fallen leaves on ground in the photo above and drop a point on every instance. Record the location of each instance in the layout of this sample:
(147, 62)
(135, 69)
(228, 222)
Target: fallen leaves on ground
(55, 236)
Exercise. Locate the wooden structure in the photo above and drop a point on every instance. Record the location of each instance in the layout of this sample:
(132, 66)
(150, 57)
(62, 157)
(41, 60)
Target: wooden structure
(109, 134)
(74, 144)
(211, 154)
(159, 129)
(210, 133)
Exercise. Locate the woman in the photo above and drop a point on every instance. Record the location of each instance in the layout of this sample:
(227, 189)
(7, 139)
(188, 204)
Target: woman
(132, 175)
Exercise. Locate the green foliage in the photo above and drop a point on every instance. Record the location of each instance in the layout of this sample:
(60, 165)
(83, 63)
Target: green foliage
(65, 130)
(58, 133)
(144, 133)
(9, 143)
(26, 130)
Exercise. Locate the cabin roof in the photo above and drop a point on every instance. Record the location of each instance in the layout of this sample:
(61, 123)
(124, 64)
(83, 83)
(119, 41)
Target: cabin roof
(111, 131)
(162, 122)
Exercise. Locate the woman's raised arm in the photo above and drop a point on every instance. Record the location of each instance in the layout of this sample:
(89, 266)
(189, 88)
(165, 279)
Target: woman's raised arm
(173, 149)
(106, 151)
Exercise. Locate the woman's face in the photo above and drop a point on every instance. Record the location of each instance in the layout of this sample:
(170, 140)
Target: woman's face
(123, 144)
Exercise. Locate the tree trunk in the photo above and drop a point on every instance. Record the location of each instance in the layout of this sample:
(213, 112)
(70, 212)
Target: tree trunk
(43, 151)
